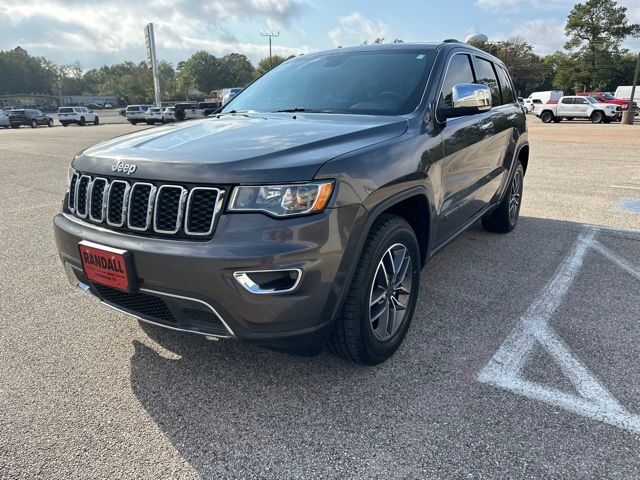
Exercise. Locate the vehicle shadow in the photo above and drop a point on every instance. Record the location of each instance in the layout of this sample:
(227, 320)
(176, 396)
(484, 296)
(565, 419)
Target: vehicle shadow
(234, 410)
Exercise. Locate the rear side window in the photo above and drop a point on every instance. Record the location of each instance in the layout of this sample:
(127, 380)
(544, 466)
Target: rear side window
(459, 71)
(487, 75)
(133, 109)
(567, 101)
(65, 110)
(579, 101)
(508, 95)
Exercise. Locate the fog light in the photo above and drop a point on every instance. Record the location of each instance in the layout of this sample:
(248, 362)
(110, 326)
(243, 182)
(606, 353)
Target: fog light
(263, 282)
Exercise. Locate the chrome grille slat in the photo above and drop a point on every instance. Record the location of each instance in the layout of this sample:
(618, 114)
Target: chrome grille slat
(97, 189)
(146, 207)
(82, 196)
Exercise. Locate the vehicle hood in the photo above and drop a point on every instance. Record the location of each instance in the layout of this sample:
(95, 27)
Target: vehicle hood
(240, 148)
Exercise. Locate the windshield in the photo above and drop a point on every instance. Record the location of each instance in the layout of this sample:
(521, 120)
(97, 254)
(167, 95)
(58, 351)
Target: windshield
(608, 96)
(366, 82)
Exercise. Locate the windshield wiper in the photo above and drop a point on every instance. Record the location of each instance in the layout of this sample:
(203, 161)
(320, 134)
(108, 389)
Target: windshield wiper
(307, 110)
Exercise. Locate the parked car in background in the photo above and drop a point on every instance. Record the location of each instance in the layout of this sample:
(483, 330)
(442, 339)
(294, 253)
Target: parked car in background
(4, 119)
(122, 112)
(530, 103)
(189, 111)
(573, 106)
(29, 117)
(154, 115)
(169, 114)
(624, 93)
(93, 106)
(229, 93)
(549, 96)
(108, 105)
(136, 113)
(606, 97)
(78, 115)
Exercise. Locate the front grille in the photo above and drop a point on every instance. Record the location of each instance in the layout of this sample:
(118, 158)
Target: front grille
(138, 303)
(146, 207)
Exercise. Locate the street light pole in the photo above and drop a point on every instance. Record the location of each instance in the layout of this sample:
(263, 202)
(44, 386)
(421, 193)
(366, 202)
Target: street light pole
(627, 116)
(270, 35)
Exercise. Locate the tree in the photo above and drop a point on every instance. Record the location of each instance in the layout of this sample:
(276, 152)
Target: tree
(264, 64)
(235, 71)
(596, 29)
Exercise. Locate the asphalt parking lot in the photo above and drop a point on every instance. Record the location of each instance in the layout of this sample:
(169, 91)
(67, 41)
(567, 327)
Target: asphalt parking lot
(521, 362)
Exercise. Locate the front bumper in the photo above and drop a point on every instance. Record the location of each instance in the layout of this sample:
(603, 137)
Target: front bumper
(175, 276)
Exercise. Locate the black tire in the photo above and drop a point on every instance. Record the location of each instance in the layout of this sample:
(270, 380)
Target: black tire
(557, 120)
(82, 122)
(15, 126)
(133, 122)
(546, 116)
(353, 337)
(503, 219)
(34, 124)
(149, 122)
(570, 118)
(597, 117)
(96, 121)
(50, 123)
(64, 124)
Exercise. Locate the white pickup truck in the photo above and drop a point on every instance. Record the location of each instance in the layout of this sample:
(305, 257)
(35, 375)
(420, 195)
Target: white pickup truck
(570, 107)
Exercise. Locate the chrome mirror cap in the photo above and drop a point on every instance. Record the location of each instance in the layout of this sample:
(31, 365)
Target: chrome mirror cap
(471, 96)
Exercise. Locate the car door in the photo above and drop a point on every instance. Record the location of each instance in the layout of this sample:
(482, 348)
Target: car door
(580, 107)
(470, 151)
(565, 107)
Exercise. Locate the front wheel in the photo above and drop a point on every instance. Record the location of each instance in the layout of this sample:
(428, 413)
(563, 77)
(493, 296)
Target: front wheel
(34, 124)
(546, 117)
(382, 296)
(504, 218)
(82, 121)
(50, 123)
(597, 117)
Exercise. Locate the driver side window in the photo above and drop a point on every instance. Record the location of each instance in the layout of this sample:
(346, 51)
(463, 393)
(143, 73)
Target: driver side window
(459, 71)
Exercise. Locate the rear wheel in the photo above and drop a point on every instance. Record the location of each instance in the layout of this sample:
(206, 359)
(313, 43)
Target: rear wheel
(34, 124)
(597, 117)
(96, 121)
(382, 295)
(505, 217)
(546, 117)
(50, 123)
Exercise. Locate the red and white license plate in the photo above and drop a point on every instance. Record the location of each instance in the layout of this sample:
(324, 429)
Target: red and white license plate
(106, 265)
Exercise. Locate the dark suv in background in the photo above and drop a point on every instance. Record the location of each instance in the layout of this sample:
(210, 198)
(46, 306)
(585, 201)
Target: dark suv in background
(302, 214)
(29, 117)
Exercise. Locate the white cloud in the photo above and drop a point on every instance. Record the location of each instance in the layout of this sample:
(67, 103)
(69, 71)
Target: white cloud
(545, 35)
(354, 29)
(102, 32)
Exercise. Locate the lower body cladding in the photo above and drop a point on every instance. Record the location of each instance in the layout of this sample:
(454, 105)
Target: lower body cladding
(273, 282)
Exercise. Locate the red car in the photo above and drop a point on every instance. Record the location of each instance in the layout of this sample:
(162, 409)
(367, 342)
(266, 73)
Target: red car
(606, 97)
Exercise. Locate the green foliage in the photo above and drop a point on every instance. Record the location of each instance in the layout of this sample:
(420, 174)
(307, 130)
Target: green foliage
(264, 65)
(22, 73)
(594, 61)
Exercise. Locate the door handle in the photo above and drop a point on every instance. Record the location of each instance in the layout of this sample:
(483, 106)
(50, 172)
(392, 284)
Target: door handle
(512, 116)
(486, 126)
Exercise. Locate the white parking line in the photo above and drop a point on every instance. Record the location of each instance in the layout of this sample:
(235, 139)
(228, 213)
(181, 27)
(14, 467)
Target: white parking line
(505, 369)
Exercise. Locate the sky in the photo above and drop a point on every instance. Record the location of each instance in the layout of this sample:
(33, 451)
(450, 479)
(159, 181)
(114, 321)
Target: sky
(101, 32)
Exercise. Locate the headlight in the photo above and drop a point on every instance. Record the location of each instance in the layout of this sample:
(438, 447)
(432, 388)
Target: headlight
(282, 200)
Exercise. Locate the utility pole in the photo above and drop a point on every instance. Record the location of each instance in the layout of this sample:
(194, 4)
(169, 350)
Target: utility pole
(270, 35)
(628, 114)
(152, 61)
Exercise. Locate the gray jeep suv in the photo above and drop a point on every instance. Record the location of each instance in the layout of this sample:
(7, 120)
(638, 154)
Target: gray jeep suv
(301, 215)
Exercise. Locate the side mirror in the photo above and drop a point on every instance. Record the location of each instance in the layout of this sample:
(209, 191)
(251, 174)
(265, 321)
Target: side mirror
(468, 99)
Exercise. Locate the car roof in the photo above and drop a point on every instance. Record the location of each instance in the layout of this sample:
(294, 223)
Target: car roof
(409, 46)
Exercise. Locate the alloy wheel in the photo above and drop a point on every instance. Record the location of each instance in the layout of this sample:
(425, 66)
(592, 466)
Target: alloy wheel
(514, 199)
(390, 292)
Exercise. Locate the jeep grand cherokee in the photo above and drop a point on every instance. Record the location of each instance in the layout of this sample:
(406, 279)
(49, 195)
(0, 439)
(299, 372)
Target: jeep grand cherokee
(301, 215)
